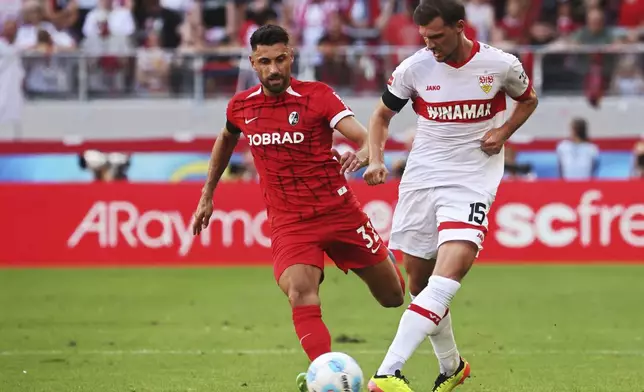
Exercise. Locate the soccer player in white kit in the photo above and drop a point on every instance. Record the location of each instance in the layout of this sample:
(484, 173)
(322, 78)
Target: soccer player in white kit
(458, 89)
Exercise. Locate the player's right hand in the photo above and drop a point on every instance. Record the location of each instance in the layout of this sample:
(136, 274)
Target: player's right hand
(376, 173)
(349, 161)
(202, 215)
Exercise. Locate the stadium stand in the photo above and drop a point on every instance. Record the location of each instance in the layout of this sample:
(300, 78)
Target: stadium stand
(120, 49)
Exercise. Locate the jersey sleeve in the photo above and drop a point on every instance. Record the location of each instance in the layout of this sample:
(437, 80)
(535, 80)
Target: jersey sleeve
(231, 122)
(517, 84)
(399, 89)
(334, 107)
(399, 83)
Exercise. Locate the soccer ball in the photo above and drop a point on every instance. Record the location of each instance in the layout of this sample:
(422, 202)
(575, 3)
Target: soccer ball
(334, 372)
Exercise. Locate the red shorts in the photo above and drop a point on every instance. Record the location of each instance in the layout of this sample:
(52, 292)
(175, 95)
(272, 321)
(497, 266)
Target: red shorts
(346, 236)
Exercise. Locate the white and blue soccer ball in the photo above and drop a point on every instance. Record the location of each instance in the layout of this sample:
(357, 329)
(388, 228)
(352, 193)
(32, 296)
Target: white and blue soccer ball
(334, 372)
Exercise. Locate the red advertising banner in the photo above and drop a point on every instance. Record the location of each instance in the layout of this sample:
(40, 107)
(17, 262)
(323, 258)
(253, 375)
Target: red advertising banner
(140, 224)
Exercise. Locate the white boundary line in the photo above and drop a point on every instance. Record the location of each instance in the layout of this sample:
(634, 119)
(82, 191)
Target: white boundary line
(281, 352)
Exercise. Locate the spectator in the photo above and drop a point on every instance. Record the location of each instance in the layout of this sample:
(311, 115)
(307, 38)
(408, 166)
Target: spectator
(366, 19)
(595, 32)
(172, 13)
(11, 76)
(46, 72)
(110, 21)
(594, 69)
(192, 40)
(219, 18)
(152, 65)
(565, 22)
(578, 157)
(638, 155)
(148, 16)
(191, 32)
(628, 78)
(334, 69)
(108, 31)
(480, 15)
(541, 33)
(33, 22)
(62, 13)
(84, 7)
(511, 30)
(309, 18)
(401, 29)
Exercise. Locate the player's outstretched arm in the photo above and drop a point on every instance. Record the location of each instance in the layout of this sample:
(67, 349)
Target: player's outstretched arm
(353, 130)
(377, 139)
(222, 150)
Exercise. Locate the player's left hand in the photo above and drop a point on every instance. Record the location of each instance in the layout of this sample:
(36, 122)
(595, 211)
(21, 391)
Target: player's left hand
(493, 141)
(376, 173)
(349, 161)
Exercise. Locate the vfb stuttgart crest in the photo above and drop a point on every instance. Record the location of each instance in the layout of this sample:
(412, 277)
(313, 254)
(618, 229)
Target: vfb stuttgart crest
(486, 82)
(293, 118)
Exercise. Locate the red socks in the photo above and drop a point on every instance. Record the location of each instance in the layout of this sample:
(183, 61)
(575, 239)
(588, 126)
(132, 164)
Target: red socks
(400, 277)
(309, 327)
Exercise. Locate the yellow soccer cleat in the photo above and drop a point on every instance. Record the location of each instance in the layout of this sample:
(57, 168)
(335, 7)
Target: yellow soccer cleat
(300, 381)
(446, 383)
(395, 383)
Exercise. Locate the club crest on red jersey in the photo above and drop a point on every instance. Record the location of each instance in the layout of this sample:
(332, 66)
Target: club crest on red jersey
(486, 82)
(293, 118)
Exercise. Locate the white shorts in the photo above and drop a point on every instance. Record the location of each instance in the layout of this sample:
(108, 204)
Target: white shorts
(426, 218)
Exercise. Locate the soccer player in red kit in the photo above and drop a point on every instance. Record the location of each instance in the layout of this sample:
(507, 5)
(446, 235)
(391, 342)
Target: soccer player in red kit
(311, 209)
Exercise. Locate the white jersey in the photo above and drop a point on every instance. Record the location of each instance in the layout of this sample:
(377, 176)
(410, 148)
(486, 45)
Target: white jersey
(456, 105)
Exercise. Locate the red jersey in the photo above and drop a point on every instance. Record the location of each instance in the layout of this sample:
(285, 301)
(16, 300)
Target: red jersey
(290, 137)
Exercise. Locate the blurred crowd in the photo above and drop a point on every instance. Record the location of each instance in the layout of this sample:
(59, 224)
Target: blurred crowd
(149, 47)
(144, 46)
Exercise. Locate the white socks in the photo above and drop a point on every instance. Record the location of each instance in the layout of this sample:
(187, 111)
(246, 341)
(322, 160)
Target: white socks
(424, 318)
(445, 346)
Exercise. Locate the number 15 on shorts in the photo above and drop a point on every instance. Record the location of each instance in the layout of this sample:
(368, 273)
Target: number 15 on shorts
(477, 213)
(370, 236)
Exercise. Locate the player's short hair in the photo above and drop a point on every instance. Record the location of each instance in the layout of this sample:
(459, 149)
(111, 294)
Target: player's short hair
(269, 35)
(580, 127)
(451, 11)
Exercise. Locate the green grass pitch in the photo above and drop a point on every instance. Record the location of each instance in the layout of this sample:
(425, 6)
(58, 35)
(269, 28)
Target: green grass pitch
(523, 328)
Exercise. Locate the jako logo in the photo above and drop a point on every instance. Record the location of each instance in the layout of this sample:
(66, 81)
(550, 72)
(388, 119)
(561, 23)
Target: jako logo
(260, 139)
(433, 88)
(558, 225)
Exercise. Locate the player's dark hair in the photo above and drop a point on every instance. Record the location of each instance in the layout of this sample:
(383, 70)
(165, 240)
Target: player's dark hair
(451, 11)
(269, 35)
(580, 127)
